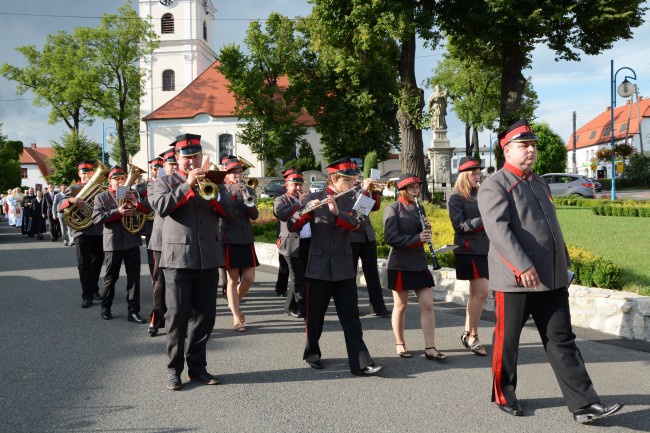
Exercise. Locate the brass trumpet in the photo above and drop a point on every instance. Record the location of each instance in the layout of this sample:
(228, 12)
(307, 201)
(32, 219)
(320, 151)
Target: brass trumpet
(207, 189)
(134, 223)
(379, 186)
(78, 216)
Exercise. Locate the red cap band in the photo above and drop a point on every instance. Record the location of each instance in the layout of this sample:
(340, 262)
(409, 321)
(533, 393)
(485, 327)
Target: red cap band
(341, 167)
(185, 143)
(233, 164)
(82, 166)
(408, 181)
(295, 177)
(469, 164)
(514, 134)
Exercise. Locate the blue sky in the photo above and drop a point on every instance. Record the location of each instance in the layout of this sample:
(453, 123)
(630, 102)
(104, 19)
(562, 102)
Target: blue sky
(562, 87)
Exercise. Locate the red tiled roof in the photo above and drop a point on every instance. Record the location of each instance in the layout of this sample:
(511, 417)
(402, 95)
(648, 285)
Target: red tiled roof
(208, 94)
(38, 156)
(597, 130)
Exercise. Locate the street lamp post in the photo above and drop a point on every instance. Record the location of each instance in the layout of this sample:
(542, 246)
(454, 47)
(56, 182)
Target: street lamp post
(625, 90)
(110, 140)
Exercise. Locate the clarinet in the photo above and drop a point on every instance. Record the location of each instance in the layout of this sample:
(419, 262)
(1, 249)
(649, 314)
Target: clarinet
(434, 259)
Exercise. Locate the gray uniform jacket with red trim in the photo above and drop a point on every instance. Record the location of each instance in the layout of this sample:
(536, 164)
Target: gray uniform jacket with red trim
(367, 233)
(94, 229)
(469, 233)
(330, 253)
(520, 220)
(190, 232)
(288, 242)
(402, 229)
(236, 228)
(142, 189)
(155, 241)
(106, 212)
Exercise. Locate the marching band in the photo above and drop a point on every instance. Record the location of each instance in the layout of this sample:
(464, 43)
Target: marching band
(196, 219)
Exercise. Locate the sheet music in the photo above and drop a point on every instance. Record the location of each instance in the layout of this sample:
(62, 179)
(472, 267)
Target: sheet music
(364, 204)
(121, 192)
(375, 174)
(446, 248)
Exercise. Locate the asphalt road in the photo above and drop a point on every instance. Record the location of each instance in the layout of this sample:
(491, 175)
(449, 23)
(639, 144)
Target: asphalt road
(63, 369)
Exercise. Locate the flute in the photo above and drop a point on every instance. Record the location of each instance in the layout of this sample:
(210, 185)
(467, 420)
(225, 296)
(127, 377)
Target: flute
(308, 209)
(434, 259)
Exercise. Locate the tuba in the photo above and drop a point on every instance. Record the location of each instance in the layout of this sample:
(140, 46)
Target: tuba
(80, 217)
(135, 222)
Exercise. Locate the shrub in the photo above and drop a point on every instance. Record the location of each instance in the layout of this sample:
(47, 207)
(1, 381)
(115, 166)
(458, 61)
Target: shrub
(591, 270)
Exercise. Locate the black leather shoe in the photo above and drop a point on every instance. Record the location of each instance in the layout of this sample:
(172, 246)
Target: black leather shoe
(174, 382)
(86, 303)
(385, 313)
(595, 411)
(97, 296)
(316, 365)
(296, 315)
(511, 409)
(370, 370)
(153, 331)
(134, 317)
(205, 378)
(106, 314)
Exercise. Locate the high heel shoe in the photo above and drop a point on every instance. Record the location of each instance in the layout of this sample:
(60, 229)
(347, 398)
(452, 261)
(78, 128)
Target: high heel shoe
(406, 353)
(463, 339)
(476, 347)
(437, 357)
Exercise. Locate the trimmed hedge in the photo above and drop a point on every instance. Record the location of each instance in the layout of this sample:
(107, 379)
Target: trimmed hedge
(622, 210)
(594, 271)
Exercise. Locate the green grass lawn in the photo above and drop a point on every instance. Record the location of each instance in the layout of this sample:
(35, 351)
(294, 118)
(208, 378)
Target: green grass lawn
(623, 240)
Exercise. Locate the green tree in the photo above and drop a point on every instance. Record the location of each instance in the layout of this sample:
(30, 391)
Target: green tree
(551, 150)
(351, 80)
(305, 160)
(115, 48)
(10, 152)
(131, 138)
(74, 148)
(264, 98)
(57, 76)
(513, 28)
(638, 170)
(370, 161)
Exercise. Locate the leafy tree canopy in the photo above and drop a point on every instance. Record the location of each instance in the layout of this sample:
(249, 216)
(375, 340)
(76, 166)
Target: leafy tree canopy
(74, 148)
(306, 160)
(551, 150)
(10, 152)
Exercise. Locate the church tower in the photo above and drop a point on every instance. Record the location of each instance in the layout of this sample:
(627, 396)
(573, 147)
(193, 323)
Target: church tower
(185, 29)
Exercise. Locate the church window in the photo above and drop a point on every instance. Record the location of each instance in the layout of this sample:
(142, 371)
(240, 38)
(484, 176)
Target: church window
(225, 145)
(169, 80)
(205, 31)
(167, 23)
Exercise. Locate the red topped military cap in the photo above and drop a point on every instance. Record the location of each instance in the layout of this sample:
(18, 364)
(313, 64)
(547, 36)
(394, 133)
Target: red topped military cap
(187, 144)
(345, 166)
(518, 131)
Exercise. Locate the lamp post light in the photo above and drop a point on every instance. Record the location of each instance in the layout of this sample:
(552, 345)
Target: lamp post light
(624, 90)
(110, 139)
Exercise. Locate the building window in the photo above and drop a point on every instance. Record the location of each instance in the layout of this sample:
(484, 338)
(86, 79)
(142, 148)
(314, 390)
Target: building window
(454, 163)
(607, 130)
(23, 173)
(225, 146)
(592, 135)
(167, 23)
(623, 127)
(205, 31)
(169, 80)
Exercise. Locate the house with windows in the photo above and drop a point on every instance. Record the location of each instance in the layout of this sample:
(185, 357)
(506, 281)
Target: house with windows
(34, 166)
(631, 125)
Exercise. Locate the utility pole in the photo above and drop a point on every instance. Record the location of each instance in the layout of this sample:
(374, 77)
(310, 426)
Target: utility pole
(575, 139)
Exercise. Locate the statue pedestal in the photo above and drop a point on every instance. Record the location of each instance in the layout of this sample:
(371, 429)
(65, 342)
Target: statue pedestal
(440, 154)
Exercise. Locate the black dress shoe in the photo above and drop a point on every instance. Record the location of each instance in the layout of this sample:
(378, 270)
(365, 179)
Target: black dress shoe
(511, 408)
(296, 315)
(370, 370)
(153, 331)
(385, 313)
(106, 313)
(134, 317)
(595, 411)
(316, 365)
(205, 378)
(86, 303)
(97, 296)
(174, 382)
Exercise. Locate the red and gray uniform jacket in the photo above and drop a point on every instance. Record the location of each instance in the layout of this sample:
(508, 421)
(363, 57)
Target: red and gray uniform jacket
(237, 228)
(469, 233)
(519, 218)
(106, 212)
(402, 227)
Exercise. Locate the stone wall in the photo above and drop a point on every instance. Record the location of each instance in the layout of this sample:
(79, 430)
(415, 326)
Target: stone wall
(619, 313)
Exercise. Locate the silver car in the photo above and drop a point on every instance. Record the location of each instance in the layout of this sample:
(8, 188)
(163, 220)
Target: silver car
(569, 184)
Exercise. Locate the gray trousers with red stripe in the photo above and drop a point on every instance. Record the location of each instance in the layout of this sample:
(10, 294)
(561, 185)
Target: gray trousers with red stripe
(550, 311)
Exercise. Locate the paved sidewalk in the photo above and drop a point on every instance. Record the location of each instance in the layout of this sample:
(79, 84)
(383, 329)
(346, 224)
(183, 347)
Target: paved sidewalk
(64, 369)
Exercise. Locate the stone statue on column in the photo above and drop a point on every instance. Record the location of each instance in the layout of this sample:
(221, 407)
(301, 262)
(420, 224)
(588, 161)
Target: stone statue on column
(437, 105)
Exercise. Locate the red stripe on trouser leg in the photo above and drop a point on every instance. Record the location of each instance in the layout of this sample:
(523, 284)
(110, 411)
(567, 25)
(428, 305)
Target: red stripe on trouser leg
(497, 356)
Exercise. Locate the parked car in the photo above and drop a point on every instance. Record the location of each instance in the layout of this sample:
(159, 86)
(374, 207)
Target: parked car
(569, 184)
(271, 189)
(597, 185)
(317, 185)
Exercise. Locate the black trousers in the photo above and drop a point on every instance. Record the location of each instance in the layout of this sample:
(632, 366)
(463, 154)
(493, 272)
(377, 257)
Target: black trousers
(55, 227)
(189, 294)
(550, 311)
(113, 263)
(346, 301)
(157, 317)
(90, 256)
(150, 259)
(367, 251)
(296, 290)
(282, 282)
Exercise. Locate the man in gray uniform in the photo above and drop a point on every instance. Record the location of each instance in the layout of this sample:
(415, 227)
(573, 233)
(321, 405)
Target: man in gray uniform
(528, 264)
(191, 258)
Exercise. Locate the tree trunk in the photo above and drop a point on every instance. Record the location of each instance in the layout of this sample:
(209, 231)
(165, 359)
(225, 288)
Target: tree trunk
(512, 84)
(120, 136)
(468, 144)
(412, 157)
(475, 146)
